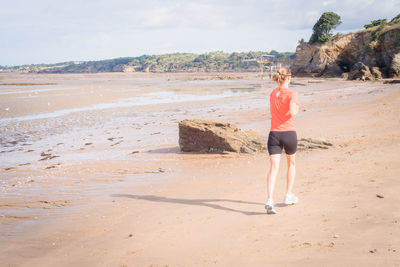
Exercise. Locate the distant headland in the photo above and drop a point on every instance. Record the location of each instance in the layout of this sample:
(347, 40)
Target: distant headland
(217, 61)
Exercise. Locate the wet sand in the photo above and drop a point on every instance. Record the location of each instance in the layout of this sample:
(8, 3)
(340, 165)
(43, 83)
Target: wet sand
(91, 174)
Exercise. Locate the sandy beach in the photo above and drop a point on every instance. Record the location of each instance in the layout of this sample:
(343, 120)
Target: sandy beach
(91, 173)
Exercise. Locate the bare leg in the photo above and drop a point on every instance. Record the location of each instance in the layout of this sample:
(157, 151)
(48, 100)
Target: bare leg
(273, 172)
(291, 172)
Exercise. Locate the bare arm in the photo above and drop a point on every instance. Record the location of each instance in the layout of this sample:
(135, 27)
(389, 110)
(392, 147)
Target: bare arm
(293, 109)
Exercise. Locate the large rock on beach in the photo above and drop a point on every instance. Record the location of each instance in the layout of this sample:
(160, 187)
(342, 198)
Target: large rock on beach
(199, 135)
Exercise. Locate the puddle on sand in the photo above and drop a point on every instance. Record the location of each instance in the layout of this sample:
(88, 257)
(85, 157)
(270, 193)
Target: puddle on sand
(34, 91)
(163, 97)
(240, 89)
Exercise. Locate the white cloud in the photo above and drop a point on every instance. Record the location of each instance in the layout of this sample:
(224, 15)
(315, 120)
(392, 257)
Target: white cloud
(52, 31)
(327, 3)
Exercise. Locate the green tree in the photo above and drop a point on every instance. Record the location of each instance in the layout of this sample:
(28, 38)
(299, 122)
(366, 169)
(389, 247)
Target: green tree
(322, 29)
(374, 23)
(301, 41)
(395, 20)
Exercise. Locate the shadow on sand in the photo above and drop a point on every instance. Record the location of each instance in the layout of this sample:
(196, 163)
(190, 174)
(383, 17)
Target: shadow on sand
(197, 202)
(177, 150)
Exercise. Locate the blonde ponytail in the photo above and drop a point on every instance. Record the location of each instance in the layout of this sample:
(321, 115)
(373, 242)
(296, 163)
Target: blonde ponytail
(281, 75)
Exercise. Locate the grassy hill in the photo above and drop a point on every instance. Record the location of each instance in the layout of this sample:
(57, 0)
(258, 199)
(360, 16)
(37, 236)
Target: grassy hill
(179, 62)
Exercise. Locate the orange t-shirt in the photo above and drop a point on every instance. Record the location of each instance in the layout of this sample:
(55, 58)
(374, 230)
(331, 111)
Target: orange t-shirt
(281, 120)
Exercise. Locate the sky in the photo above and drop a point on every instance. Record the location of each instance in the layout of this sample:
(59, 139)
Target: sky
(51, 31)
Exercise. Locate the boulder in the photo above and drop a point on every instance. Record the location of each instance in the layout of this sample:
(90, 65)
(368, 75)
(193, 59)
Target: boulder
(395, 66)
(345, 76)
(199, 135)
(376, 72)
(360, 71)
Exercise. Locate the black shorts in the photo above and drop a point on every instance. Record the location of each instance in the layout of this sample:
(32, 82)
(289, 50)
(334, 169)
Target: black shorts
(279, 140)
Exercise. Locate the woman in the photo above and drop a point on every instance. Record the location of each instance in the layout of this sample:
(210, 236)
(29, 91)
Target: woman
(282, 135)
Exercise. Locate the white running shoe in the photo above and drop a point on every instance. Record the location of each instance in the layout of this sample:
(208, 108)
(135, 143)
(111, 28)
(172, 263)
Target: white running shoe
(269, 206)
(291, 199)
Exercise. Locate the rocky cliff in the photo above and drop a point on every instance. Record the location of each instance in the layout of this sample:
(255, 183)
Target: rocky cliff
(352, 56)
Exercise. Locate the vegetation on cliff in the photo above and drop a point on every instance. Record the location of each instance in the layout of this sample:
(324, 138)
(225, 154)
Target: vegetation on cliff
(179, 62)
(374, 23)
(380, 26)
(379, 22)
(323, 27)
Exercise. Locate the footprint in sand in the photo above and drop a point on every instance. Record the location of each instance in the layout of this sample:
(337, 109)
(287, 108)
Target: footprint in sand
(326, 244)
(306, 245)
